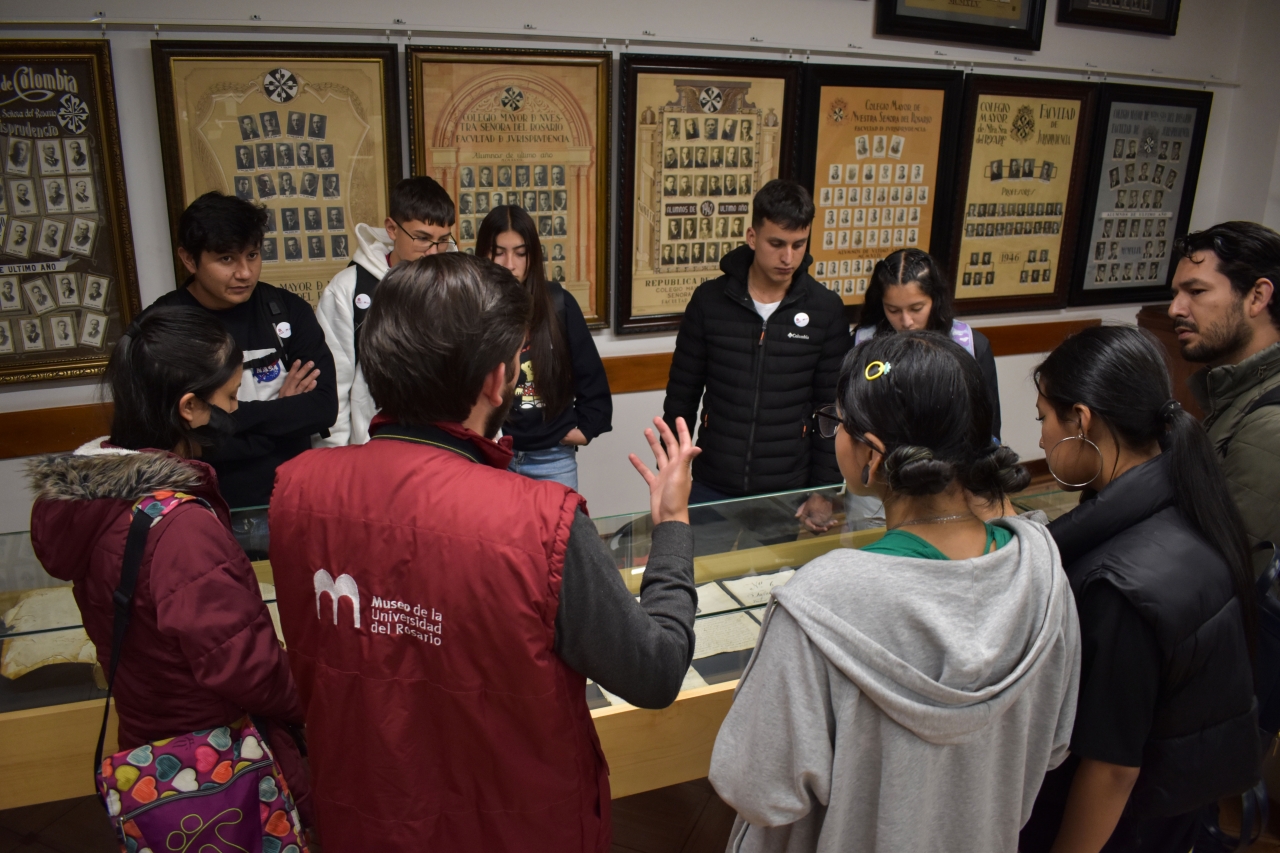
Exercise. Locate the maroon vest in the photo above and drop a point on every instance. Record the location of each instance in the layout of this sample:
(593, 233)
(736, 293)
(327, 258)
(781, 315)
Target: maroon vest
(418, 583)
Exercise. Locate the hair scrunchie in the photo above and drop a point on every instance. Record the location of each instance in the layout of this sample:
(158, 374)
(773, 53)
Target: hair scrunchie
(1170, 410)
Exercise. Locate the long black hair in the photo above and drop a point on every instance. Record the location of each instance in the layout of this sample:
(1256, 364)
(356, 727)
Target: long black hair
(904, 267)
(548, 350)
(925, 400)
(1120, 373)
(164, 355)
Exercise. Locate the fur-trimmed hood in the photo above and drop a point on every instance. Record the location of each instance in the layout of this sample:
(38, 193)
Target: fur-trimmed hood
(78, 497)
(95, 471)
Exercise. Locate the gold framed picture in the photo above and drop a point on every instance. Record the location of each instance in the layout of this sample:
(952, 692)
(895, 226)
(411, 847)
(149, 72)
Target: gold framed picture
(528, 128)
(68, 281)
(309, 131)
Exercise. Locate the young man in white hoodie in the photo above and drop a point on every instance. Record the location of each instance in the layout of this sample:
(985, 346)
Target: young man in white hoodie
(909, 696)
(420, 223)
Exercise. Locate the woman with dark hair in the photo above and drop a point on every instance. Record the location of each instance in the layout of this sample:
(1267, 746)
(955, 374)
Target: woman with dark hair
(909, 291)
(200, 651)
(1158, 562)
(562, 393)
(911, 695)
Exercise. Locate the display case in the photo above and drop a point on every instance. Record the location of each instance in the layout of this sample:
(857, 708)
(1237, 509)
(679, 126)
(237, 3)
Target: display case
(52, 688)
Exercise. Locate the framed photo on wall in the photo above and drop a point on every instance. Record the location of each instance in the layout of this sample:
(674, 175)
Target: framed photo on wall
(699, 138)
(1020, 183)
(1145, 165)
(528, 128)
(309, 131)
(878, 153)
(1150, 16)
(68, 281)
(1014, 24)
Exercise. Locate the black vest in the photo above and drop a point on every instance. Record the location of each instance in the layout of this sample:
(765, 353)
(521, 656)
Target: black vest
(1204, 741)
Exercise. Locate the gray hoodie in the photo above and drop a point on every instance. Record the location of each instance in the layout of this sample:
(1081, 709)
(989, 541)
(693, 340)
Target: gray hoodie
(899, 705)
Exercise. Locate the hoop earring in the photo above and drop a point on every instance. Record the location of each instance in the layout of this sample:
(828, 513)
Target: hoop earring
(1049, 464)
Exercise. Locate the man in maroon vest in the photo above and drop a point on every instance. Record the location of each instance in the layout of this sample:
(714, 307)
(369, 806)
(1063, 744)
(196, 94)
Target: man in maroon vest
(442, 615)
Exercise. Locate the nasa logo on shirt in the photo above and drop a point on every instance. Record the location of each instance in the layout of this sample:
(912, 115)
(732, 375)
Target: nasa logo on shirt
(267, 374)
(284, 330)
(802, 319)
(363, 301)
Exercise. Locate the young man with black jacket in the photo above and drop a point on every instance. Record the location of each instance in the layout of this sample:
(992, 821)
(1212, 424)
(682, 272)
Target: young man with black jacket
(288, 393)
(760, 348)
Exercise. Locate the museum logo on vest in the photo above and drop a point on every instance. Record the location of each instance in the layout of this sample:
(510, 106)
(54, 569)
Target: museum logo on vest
(342, 587)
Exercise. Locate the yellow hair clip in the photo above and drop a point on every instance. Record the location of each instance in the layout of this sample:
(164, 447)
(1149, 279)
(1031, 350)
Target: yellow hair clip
(876, 369)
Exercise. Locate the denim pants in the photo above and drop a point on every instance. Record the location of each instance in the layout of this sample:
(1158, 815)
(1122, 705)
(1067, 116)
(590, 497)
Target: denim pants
(559, 463)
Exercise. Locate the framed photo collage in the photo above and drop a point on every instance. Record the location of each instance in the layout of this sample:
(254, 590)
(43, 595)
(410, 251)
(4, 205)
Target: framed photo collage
(1034, 193)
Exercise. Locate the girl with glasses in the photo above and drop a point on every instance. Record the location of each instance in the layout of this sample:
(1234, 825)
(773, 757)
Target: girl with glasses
(911, 695)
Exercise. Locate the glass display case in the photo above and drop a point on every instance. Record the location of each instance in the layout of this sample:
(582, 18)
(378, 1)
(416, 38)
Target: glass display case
(51, 686)
(743, 548)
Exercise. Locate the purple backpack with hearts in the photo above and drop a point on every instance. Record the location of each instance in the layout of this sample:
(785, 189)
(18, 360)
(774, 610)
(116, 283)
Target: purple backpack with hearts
(215, 790)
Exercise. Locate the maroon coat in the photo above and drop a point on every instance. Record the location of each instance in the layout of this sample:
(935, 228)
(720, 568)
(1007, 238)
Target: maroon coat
(201, 650)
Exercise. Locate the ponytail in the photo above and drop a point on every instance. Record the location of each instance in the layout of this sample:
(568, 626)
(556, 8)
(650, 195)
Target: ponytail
(1120, 373)
(1203, 499)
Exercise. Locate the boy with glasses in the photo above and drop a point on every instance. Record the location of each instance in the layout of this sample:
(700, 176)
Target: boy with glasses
(419, 223)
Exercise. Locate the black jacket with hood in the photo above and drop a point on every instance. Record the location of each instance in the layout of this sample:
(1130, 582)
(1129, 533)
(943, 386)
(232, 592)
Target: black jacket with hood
(758, 381)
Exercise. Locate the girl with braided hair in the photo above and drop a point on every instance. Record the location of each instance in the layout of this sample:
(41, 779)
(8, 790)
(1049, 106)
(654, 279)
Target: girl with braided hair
(911, 695)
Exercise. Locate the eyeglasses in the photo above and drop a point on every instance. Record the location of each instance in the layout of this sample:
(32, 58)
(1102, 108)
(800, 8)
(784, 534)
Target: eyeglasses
(429, 245)
(828, 421)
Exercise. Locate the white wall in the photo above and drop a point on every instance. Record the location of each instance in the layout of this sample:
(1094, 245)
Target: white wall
(1220, 43)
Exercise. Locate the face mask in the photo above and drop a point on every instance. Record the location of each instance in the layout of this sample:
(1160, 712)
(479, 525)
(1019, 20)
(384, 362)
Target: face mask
(220, 428)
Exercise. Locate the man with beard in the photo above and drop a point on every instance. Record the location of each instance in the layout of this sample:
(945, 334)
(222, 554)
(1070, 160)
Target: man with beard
(1226, 312)
(463, 606)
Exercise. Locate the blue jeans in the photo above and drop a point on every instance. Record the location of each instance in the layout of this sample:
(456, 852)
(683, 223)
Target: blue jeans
(559, 463)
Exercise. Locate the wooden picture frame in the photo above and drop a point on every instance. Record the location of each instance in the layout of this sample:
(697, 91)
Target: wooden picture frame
(878, 147)
(527, 127)
(1019, 189)
(736, 109)
(998, 23)
(1146, 16)
(245, 119)
(68, 277)
(1139, 191)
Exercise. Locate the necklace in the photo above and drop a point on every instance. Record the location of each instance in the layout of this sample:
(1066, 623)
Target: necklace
(935, 519)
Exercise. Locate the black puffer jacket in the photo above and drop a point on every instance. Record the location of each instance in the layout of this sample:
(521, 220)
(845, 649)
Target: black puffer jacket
(1203, 743)
(762, 381)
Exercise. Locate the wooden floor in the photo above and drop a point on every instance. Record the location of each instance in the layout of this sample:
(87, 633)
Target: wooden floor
(686, 818)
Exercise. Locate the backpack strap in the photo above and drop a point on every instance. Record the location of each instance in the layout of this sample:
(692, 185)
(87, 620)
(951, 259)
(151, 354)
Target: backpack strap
(1271, 398)
(147, 512)
(366, 283)
(271, 313)
(962, 333)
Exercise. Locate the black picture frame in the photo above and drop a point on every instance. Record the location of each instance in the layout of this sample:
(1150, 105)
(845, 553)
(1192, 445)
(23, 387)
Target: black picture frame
(1065, 222)
(950, 83)
(626, 320)
(891, 20)
(1109, 130)
(1112, 15)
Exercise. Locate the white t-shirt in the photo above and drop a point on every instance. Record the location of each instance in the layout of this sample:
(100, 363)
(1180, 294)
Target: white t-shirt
(766, 309)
